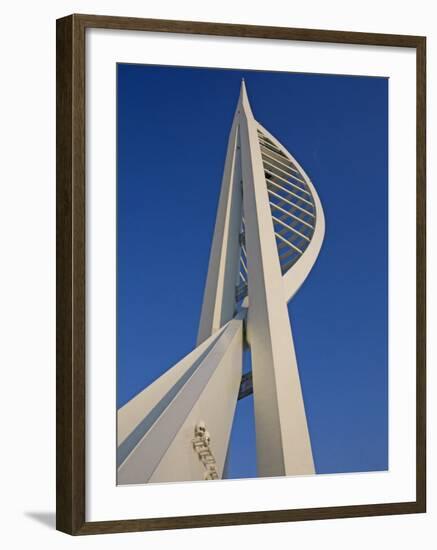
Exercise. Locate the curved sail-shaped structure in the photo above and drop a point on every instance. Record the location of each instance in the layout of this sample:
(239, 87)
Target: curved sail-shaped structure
(300, 232)
(268, 233)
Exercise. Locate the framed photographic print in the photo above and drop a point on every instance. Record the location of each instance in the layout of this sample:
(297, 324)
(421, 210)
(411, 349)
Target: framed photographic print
(240, 274)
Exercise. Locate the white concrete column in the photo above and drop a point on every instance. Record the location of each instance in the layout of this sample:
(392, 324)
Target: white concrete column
(159, 429)
(282, 438)
(219, 296)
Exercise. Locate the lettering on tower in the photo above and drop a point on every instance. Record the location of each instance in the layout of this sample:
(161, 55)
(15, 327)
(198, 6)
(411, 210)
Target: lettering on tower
(201, 445)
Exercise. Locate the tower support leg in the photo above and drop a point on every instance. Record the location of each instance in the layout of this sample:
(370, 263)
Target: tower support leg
(282, 438)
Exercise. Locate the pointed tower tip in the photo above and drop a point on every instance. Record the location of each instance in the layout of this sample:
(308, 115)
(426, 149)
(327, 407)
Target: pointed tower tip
(243, 91)
(243, 101)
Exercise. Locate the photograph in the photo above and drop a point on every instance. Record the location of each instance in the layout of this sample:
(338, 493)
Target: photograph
(215, 275)
(251, 274)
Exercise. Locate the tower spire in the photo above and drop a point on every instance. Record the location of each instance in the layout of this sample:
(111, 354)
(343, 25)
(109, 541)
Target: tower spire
(243, 101)
(268, 233)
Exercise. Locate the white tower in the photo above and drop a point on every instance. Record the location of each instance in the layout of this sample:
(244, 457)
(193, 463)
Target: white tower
(268, 233)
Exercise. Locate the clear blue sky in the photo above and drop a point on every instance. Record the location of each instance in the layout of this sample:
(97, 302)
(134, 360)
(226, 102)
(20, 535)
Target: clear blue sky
(173, 126)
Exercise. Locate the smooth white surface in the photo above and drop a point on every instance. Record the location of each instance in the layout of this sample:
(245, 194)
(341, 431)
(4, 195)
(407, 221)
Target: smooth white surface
(132, 412)
(165, 453)
(105, 500)
(218, 304)
(27, 223)
(283, 446)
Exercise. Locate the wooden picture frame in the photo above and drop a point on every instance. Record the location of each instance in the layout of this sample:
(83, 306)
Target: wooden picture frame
(71, 283)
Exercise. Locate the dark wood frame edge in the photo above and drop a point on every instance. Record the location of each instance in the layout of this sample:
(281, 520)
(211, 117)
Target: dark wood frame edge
(70, 274)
